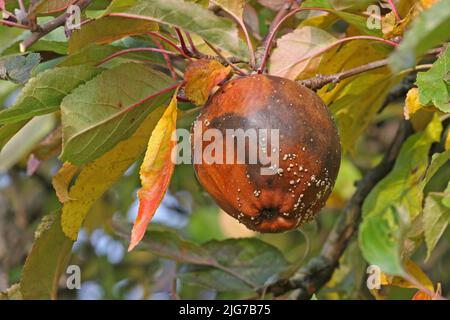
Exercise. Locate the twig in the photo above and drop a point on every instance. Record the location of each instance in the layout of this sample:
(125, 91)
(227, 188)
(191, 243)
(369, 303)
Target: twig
(320, 269)
(320, 80)
(219, 53)
(13, 24)
(49, 27)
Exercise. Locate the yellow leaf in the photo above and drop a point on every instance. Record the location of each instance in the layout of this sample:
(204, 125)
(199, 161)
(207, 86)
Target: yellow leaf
(388, 23)
(61, 181)
(412, 103)
(201, 77)
(447, 141)
(156, 171)
(351, 112)
(96, 177)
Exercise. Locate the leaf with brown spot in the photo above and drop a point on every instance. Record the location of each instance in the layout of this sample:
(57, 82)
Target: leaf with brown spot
(201, 77)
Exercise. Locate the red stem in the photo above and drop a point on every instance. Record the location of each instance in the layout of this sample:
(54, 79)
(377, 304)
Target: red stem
(122, 52)
(182, 42)
(174, 86)
(166, 57)
(13, 24)
(395, 10)
(273, 33)
(171, 43)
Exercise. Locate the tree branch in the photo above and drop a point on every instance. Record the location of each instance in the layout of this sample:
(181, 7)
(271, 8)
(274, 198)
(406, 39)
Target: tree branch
(50, 26)
(321, 80)
(319, 270)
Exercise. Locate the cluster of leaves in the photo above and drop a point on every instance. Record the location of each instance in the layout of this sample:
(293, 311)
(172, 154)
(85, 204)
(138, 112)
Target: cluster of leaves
(106, 95)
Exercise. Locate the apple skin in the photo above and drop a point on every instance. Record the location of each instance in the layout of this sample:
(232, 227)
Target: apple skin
(309, 152)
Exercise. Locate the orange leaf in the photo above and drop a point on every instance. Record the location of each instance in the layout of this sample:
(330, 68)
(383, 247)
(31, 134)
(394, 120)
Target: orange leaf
(61, 180)
(201, 77)
(156, 171)
(422, 295)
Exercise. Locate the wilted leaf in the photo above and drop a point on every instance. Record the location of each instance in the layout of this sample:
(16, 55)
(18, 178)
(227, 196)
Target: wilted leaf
(101, 113)
(190, 17)
(61, 181)
(241, 264)
(156, 171)
(201, 77)
(96, 177)
(395, 201)
(428, 30)
(18, 68)
(44, 93)
(296, 50)
(434, 85)
(46, 261)
(108, 29)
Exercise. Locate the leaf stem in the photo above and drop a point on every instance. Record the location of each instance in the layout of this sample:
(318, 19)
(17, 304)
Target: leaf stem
(171, 43)
(182, 42)
(172, 87)
(166, 57)
(125, 51)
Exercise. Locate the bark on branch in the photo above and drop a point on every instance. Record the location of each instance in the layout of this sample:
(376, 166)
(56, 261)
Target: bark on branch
(319, 270)
(50, 26)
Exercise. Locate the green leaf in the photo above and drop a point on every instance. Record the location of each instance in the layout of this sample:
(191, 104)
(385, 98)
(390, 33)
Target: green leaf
(25, 140)
(18, 68)
(436, 217)
(46, 261)
(9, 130)
(380, 241)
(96, 116)
(108, 29)
(190, 17)
(434, 85)
(166, 243)
(428, 30)
(400, 192)
(99, 175)
(44, 93)
(241, 264)
(233, 264)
